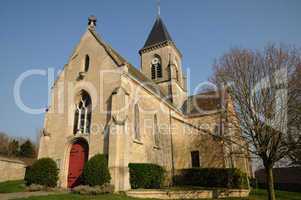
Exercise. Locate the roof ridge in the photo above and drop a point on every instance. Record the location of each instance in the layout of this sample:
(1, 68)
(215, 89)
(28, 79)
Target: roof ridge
(114, 54)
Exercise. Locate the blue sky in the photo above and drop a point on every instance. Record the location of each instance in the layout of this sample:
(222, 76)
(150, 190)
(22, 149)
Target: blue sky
(42, 34)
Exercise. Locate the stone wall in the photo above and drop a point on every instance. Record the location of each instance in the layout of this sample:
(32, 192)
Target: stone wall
(189, 194)
(11, 169)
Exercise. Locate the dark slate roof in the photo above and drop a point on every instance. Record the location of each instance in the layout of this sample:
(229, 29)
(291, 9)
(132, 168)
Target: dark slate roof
(204, 103)
(146, 82)
(158, 34)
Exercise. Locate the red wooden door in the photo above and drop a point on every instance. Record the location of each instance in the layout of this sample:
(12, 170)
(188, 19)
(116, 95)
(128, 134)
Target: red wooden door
(77, 159)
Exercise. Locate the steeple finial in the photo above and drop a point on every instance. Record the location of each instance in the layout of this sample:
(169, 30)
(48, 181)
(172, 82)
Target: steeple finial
(158, 8)
(92, 22)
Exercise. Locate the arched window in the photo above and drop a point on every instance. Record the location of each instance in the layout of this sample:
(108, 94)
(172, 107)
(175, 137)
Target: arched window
(153, 72)
(87, 63)
(137, 122)
(159, 70)
(156, 68)
(156, 131)
(82, 117)
(177, 74)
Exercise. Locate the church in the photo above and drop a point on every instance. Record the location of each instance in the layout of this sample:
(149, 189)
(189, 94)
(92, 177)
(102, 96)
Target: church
(101, 104)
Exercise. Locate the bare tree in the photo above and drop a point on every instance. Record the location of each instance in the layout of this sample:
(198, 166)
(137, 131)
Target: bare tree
(257, 83)
(294, 116)
(4, 141)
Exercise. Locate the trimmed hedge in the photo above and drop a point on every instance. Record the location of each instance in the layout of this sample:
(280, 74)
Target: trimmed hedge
(212, 177)
(144, 175)
(43, 172)
(253, 182)
(96, 171)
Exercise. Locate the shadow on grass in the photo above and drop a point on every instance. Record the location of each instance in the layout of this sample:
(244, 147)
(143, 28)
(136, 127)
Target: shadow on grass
(12, 186)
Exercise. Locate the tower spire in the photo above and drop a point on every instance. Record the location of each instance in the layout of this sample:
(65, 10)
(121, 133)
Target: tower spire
(158, 8)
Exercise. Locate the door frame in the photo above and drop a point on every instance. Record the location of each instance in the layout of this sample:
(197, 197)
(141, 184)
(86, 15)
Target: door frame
(63, 180)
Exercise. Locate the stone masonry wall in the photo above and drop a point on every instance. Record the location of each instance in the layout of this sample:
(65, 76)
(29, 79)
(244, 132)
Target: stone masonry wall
(11, 169)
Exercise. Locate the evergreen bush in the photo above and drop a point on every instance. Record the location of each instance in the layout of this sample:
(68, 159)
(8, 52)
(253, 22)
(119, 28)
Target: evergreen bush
(96, 171)
(143, 175)
(212, 177)
(43, 172)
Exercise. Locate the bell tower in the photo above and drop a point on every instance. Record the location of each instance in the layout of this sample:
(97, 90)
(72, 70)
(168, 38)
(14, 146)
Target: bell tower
(161, 62)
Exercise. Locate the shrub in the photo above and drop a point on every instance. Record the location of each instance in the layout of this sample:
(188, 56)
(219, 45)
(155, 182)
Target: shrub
(87, 190)
(253, 182)
(96, 171)
(212, 177)
(43, 172)
(144, 175)
(34, 188)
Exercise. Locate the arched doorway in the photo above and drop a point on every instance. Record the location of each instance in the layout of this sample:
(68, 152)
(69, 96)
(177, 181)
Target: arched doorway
(77, 158)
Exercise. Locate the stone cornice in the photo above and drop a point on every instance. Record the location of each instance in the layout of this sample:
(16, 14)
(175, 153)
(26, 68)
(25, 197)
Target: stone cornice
(159, 45)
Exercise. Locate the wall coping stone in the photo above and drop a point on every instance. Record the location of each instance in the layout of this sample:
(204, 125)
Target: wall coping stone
(188, 193)
(11, 160)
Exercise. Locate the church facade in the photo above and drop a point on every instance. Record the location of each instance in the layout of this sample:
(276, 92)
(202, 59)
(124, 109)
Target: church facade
(103, 104)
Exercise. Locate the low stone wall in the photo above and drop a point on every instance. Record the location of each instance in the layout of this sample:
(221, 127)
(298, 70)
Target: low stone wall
(11, 169)
(225, 193)
(188, 194)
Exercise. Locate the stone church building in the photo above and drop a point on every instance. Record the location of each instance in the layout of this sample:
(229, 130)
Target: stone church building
(103, 104)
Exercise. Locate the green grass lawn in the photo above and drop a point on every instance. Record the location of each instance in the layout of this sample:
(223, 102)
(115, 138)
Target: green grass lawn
(12, 186)
(255, 195)
(260, 194)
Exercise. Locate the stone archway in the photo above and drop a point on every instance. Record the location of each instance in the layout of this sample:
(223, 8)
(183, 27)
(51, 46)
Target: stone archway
(77, 158)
